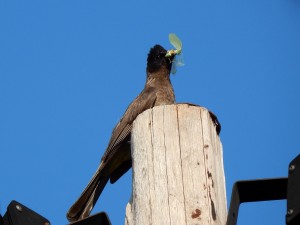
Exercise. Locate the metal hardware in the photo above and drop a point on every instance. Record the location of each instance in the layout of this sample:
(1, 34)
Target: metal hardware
(18, 214)
(97, 219)
(267, 190)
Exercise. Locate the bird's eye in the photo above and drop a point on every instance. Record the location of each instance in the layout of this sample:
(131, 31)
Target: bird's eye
(162, 54)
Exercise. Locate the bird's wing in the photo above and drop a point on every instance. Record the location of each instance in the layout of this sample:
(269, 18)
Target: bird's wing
(121, 132)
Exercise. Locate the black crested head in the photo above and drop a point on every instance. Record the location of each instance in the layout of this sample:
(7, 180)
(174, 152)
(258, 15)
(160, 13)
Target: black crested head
(157, 59)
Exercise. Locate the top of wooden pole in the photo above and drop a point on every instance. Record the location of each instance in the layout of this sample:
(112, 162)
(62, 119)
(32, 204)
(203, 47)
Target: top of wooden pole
(178, 175)
(186, 105)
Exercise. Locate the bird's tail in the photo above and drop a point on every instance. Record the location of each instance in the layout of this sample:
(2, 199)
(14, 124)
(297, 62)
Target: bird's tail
(85, 203)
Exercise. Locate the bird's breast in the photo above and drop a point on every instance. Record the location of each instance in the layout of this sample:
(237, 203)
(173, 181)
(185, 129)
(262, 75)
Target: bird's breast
(165, 96)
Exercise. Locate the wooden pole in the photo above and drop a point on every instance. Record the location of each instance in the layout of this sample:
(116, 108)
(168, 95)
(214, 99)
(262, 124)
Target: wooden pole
(178, 174)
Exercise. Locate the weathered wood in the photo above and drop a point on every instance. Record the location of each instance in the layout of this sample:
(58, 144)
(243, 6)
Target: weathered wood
(178, 175)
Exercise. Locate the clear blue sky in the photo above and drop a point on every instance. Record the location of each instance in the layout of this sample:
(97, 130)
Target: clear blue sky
(68, 70)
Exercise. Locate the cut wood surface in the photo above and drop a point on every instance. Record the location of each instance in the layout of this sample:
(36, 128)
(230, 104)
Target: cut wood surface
(178, 174)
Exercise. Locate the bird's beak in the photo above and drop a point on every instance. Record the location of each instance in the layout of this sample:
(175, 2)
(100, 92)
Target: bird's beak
(172, 52)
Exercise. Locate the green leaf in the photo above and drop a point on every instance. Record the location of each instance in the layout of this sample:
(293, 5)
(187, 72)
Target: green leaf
(175, 41)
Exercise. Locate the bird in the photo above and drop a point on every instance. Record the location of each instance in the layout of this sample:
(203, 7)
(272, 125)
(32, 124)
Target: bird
(116, 160)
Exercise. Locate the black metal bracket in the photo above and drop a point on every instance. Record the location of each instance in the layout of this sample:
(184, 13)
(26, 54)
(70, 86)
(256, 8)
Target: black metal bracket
(254, 191)
(293, 193)
(97, 219)
(18, 214)
(267, 190)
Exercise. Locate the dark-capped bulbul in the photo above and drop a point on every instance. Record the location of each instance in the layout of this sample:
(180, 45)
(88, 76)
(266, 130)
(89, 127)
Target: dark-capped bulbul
(116, 160)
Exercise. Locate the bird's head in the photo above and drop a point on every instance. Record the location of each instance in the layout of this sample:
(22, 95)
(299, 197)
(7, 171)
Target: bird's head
(158, 59)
